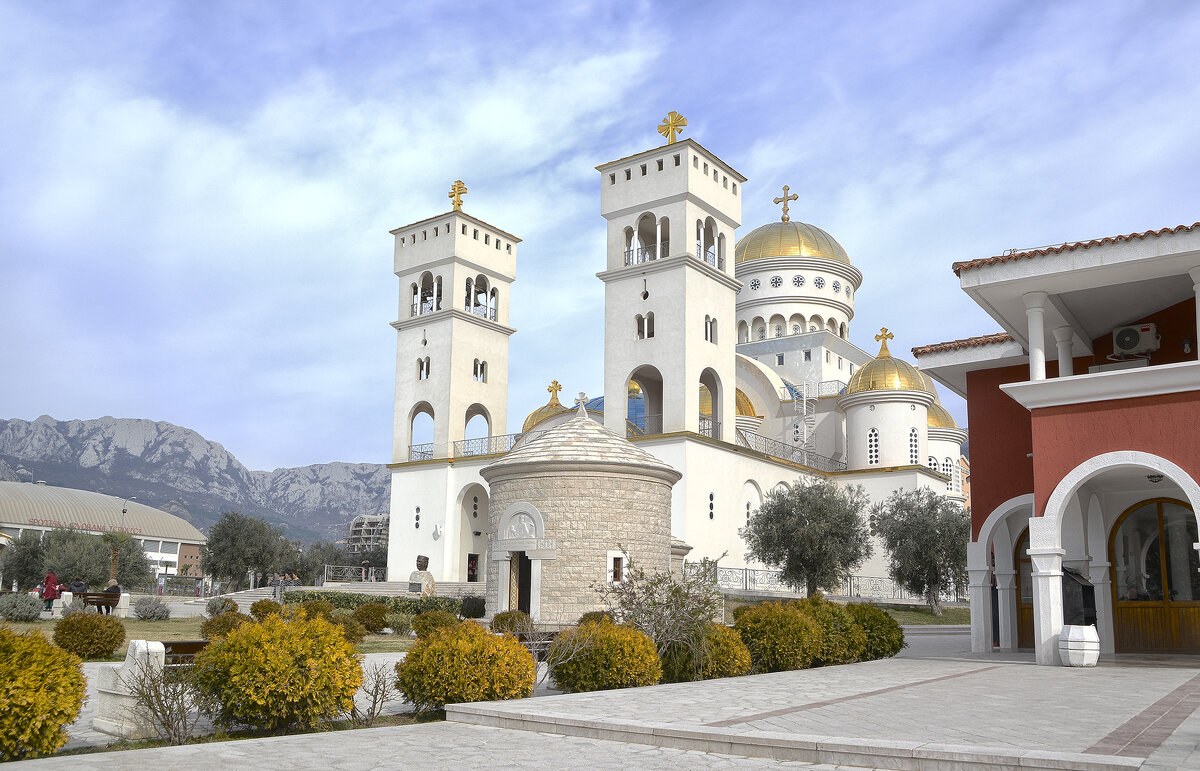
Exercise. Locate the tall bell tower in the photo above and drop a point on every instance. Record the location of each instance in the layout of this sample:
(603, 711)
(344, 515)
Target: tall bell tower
(669, 288)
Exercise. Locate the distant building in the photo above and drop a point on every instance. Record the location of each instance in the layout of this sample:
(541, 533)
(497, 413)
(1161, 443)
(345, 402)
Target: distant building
(366, 532)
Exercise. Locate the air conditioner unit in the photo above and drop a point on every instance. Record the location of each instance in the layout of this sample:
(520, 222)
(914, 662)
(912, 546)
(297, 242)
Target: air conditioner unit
(1137, 339)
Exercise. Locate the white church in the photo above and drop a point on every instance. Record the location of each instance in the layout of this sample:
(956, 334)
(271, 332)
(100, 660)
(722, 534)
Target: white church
(729, 360)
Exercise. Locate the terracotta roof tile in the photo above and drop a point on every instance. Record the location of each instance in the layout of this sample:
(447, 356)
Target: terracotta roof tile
(970, 342)
(958, 267)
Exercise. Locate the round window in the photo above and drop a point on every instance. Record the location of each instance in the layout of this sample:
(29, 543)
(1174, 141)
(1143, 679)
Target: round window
(797, 280)
(819, 283)
(754, 284)
(776, 281)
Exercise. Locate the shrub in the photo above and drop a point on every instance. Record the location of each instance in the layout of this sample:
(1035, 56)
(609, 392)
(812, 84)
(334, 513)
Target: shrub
(426, 622)
(353, 631)
(842, 640)
(218, 605)
(373, 616)
(512, 622)
(739, 610)
(595, 617)
(317, 608)
(218, 626)
(884, 636)
(151, 609)
(464, 663)
(76, 606)
(263, 608)
(352, 600)
(603, 656)
(472, 607)
(341, 613)
(279, 675)
(89, 635)
(723, 655)
(20, 607)
(780, 637)
(41, 690)
(400, 623)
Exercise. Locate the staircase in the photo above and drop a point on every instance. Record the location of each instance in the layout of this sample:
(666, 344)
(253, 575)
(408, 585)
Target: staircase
(244, 598)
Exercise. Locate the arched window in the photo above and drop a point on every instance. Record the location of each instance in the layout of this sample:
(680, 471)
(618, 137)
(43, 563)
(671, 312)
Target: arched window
(707, 319)
(493, 303)
(480, 371)
(641, 327)
(873, 447)
(423, 368)
(795, 329)
(948, 470)
(650, 324)
(712, 331)
(779, 330)
(914, 447)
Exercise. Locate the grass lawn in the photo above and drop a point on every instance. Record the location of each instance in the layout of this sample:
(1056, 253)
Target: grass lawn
(920, 615)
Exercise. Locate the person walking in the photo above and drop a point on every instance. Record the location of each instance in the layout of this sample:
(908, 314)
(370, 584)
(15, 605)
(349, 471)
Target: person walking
(50, 590)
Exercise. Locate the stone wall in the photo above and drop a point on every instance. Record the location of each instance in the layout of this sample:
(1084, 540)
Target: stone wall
(588, 514)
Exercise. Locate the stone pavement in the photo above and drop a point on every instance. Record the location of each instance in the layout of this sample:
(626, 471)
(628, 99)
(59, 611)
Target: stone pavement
(937, 706)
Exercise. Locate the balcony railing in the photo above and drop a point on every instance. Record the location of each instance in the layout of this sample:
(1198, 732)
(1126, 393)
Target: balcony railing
(831, 388)
(710, 256)
(481, 310)
(421, 451)
(421, 308)
(491, 445)
(645, 425)
(638, 255)
(709, 427)
(777, 449)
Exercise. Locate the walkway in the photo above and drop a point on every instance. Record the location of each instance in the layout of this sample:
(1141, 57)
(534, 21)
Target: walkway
(937, 706)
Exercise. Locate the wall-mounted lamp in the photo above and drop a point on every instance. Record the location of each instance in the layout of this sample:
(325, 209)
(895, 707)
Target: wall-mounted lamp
(476, 533)
(1155, 478)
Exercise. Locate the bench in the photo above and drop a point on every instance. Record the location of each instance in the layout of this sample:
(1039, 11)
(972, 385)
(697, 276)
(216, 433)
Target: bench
(182, 653)
(98, 599)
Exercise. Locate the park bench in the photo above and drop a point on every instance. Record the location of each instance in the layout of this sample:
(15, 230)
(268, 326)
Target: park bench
(98, 599)
(180, 654)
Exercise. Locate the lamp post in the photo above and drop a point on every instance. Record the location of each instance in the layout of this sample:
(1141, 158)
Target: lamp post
(117, 541)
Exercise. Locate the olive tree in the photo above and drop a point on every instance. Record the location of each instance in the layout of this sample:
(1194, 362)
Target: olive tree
(925, 535)
(814, 533)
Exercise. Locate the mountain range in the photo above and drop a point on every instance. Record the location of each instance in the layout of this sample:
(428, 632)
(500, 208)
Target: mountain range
(178, 470)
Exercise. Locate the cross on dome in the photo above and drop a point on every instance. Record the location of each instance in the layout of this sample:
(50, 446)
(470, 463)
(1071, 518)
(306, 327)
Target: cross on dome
(554, 388)
(672, 125)
(784, 200)
(457, 191)
(581, 403)
(883, 336)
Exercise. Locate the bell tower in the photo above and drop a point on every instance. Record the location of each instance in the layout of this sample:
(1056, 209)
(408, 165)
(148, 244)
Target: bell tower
(452, 334)
(669, 289)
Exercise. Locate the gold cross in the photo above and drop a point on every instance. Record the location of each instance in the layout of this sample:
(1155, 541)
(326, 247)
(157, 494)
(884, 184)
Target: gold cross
(457, 191)
(554, 389)
(883, 336)
(784, 201)
(672, 125)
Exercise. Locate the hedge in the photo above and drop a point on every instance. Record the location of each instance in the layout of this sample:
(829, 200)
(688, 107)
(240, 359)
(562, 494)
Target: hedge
(353, 600)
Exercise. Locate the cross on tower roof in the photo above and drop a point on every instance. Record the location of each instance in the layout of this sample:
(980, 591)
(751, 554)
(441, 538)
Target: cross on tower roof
(672, 125)
(784, 200)
(883, 336)
(457, 191)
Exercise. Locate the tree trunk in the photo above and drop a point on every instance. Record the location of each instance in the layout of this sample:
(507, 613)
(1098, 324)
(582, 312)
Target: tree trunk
(810, 587)
(933, 597)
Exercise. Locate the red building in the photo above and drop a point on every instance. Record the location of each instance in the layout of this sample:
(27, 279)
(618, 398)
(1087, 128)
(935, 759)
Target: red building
(1084, 425)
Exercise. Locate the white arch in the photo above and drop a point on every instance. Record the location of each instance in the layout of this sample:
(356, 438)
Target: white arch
(981, 544)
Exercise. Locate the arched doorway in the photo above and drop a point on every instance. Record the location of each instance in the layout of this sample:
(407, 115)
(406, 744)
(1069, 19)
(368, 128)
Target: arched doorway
(1155, 574)
(472, 533)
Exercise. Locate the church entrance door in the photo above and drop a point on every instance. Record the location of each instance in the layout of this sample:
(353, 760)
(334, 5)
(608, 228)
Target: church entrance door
(520, 581)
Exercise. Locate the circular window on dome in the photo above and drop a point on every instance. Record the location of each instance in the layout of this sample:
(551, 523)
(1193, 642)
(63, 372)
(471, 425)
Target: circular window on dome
(847, 290)
(754, 284)
(837, 287)
(819, 283)
(776, 281)
(797, 280)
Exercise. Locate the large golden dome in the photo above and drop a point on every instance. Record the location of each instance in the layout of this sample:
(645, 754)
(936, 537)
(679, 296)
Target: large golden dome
(940, 417)
(884, 373)
(548, 410)
(788, 239)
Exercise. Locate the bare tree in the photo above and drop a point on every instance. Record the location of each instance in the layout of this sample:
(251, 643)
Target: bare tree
(166, 698)
(379, 687)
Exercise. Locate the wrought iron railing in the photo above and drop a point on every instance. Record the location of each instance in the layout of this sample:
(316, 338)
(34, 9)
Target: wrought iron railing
(421, 451)
(777, 449)
(426, 306)
(644, 425)
(481, 310)
(492, 445)
(638, 255)
(709, 427)
(710, 257)
(345, 574)
(831, 388)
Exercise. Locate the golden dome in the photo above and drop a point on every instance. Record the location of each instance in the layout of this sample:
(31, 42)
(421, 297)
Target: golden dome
(884, 373)
(788, 239)
(940, 417)
(929, 386)
(548, 410)
(744, 406)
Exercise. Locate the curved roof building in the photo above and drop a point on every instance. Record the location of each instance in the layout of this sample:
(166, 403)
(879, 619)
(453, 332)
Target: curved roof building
(26, 506)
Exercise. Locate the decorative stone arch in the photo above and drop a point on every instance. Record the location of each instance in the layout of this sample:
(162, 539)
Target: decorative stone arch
(797, 325)
(477, 410)
(998, 533)
(743, 332)
(778, 327)
(521, 528)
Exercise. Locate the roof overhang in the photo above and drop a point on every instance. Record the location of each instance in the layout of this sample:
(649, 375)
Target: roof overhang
(949, 363)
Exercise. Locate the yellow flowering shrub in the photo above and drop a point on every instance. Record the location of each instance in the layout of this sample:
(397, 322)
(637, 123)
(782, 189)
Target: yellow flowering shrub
(598, 657)
(373, 616)
(780, 637)
(89, 635)
(462, 663)
(219, 626)
(41, 692)
(423, 624)
(279, 674)
(842, 639)
(725, 653)
(263, 608)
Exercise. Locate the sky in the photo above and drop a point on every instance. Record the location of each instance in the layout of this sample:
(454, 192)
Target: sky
(195, 198)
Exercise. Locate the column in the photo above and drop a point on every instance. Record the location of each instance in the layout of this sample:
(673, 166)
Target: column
(1099, 576)
(1195, 274)
(1062, 339)
(1047, 602)
(658, 238)
(1006, 599)
(981, 610)
(1035, 313)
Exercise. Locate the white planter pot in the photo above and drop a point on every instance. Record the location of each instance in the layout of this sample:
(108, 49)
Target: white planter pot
(1079, 646)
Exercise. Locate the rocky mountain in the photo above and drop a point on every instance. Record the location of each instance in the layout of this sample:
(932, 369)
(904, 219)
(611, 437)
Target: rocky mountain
(178, 470)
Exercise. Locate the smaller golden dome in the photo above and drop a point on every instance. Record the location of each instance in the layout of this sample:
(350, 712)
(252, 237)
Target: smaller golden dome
(548, 410)
(788, 239)
(940, 417)
(929, 386)
(884, 373)
(744, 406)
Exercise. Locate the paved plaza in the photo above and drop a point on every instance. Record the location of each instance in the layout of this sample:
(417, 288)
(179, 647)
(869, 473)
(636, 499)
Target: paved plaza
(937, 706)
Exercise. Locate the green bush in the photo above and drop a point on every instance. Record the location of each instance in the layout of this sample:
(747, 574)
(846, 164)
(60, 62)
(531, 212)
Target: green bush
(151, 609)
(77, 606)
(512, 622)
(317, 608)
(473, 607)
(884, 636)
(279, 675)
(353, 631)
(352, 600)
(842, 640)
(424, 623)
(780, 637)
(89, 635)
(41, 692)
(20, 607)
(464, 663)
(724, 655)
(341, 613)
(219, 626)
(595, 617)
(373, 616)
(597, 657)
(263, 608)
(400, 623)
(218, 605)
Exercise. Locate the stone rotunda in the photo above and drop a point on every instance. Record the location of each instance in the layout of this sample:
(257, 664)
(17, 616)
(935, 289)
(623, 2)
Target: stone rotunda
(569, 510)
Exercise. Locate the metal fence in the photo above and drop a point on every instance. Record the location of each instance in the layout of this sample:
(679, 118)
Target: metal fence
(346, 574)
(645, 254)
(869, 587)
(644, 425)
(481, 310)
(777, 449)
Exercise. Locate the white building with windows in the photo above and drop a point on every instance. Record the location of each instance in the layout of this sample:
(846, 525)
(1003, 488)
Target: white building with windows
(728, 360)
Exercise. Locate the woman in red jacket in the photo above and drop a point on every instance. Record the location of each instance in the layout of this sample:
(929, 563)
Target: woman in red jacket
(50, 590)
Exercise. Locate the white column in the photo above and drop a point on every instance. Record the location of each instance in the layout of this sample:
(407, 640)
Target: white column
(1047, 603)
(657, 238)
(1099, 576)
(1006, 601)
(1062, 339)
(981, 610)
(1195, 274)
(1035, 313)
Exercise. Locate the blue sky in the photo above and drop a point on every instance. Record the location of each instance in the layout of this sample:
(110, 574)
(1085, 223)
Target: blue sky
(196, 196)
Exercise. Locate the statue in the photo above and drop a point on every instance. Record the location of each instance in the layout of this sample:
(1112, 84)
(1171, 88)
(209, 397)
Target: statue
(421, 580)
